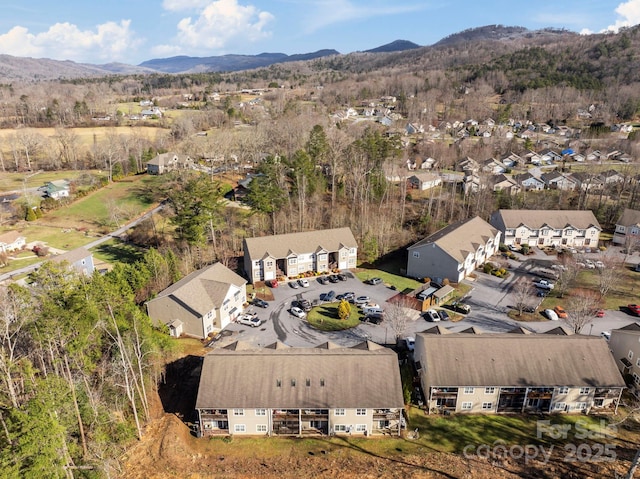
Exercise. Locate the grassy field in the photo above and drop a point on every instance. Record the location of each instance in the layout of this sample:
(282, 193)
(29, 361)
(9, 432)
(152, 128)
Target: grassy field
(401, 283)
(115, 251)
(325, 318)
(18, 181)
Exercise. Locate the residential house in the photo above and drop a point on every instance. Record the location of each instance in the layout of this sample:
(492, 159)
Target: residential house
(559, 181)
(289, 255)
(11, 241)
(467, 164)
(201, 303)
(413, 128)
(517, 373)
(529, 182)
(283, 391)
(493, 166)
(424, 180)
(80, 260)
(547, 227)
(627, 230)
(548, 155)
(243, 187)
(512, 160)
(153, 112)
(587, 181)
(453, 252)
(428, 163)
(625, 347)
(504, 183)
(611, 177)
(56, 189)
(166, 162)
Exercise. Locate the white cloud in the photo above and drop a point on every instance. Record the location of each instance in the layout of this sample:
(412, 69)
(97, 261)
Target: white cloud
(215, 25)
(628, 13)
(64, 41)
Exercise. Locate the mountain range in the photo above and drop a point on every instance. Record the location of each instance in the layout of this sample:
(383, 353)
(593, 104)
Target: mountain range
(31, 69)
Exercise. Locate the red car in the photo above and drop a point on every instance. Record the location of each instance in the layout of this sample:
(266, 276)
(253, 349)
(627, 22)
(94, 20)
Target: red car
(634, 308)
(600, 313)
(272, 283)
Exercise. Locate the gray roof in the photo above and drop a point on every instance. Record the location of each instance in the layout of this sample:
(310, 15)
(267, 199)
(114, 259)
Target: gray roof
(556, 219)
(72, 256)
(629, 218)
(202, 290)
(365, 376)
(518, 360)
(281, 246)
(461, 238)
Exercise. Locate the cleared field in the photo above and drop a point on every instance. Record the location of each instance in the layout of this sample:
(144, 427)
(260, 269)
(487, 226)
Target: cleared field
(18, 181)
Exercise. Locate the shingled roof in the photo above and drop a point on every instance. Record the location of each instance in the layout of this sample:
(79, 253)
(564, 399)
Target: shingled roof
(281, 246)
(365, 376)
(629, 218)
(556, 219)
(461, 238)
(517, 360)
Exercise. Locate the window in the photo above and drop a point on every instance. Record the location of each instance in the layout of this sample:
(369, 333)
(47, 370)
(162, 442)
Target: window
(569, 232)
(352, 251)
(416, 254)
(466, 406)
(340, 428)
(308, 382)
(581, 406)
(630, 355)
(322, 383)
(468, 390)
(585, 390)
(545, 232)
(261, 428)
(361, 412)
(293, 260)
(636, 378)
(487, 405)
(361, 428)
(278, 383)
(490, 390)
(238, 412)
(293, 383)
(563, 390)
(339, 412)
(269, 264)
(239, 428)
(559, 406)
(638, 362)
(261, 412)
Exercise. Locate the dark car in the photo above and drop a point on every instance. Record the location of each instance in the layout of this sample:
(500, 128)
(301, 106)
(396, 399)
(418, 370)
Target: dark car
(303, 304)
(342, 276)
(330, 296)
(374, 281)
(444, 316)
(323, 280)
(373, 318)
(334, 278)
(294, 284)
(261, 303)
(459, 307)
(346, 296)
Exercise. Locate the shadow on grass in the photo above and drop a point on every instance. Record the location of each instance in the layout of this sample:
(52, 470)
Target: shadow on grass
(325, 318)
(118, 252)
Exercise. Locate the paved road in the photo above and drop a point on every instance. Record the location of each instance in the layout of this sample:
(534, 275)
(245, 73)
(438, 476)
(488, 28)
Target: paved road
(115, 234)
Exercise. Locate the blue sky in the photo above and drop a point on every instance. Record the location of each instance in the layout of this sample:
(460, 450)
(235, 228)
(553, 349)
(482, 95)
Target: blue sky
(132, 31)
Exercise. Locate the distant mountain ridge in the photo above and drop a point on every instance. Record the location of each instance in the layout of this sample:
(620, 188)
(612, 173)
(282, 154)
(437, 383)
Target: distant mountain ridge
(395, 46)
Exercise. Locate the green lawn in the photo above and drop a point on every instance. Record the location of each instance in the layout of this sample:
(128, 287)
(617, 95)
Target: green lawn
(115, 251)
(401, 283)
(325, 317)
(16, 181)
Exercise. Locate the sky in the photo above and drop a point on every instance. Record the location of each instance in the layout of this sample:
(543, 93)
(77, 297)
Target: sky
(132, 31)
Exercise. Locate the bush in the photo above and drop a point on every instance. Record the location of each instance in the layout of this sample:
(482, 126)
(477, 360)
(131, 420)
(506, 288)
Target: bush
(525, 249)
(503, 247)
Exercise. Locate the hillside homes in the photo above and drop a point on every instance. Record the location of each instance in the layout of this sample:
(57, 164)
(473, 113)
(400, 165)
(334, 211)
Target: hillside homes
(79, 259)
(625, 347)
(201, 303)
(166, 162)
(547, 227)
(292, 254)
(517, 373)
(11, 241)
(453, 252)
(283, 391)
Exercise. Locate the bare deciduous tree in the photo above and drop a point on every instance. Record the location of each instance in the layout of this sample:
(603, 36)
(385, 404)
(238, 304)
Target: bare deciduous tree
(581, 309)
(396, 316)
(524, 293)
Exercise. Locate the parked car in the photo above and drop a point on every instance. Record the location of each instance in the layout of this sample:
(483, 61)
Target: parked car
(250, 320)
(361, 300)
(272, 283)
(459, 307)
(371, 308)
(634, 308)
(444, 316)
(348, 296)
(543, 284)
(330, 296)
(410, 342)
(373, 318)
(606, 335)
(342, 276)
(303, 304)
(551, 314)
(334, 278)
(600, 313)
(298, 313)
(541, 293)
(294, 284)
(559, 310)
(260, 303)
(323, 280)
(599, 265)
(303, 282)
(431, 315)
(374, 281)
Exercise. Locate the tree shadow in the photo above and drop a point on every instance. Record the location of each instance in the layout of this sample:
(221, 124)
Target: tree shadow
(179, 390)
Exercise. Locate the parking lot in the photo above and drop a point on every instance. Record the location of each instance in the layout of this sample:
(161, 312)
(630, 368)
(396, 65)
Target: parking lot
(490, 299)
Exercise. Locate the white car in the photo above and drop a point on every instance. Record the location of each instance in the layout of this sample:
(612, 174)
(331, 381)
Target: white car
(303, 282)
(431, 315)
(410, 342)
(361, 300)
(250, 320)
(551, 314)
(298, 313)
(543, 284)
